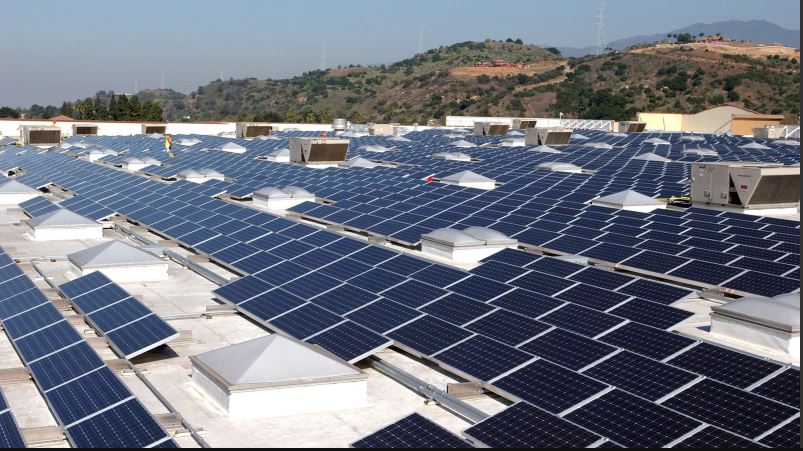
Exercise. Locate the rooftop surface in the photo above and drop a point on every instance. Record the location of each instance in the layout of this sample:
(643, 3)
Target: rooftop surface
(597, 310)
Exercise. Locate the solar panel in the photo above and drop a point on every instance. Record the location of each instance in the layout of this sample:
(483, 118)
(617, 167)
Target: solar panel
(724, 365)
(710, 273)
(383, 315)
(101, 431)
(647, 341)
(414, 294)
(655, 262)
(555, 267)
(581, 320)
(712, 437)
(730, 408)
(632, 421)
(601, 278)
(763, 284)
(141, 336)
(271, 304)
(651, 313)
(507, 327)
(305, 321)
(498, 271)
(413, 431)
(10, 434)
(568, 349)
(457, 309)
(525, 426)
(787, 436)
(542, 283)
(482, 358)
(428, 335)
(86, 395)
(655, 291)
(527, 303)
(377, 280)
(350, 341)
(549, 386)
(344, 299)
(784, 387)
(593, 297)
(640, 376)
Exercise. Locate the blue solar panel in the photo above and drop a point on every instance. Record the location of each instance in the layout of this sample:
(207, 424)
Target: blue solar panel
(784, 387)
(414, 294)
(102, 431)
(640, 376)
(542, 283)
(32, 320)
(414, 432)
(568, 349)
(655, 291)
(787, 436)
(141, 336)
(350, 341)
(581, 320)
(731, 367)
(712, 437)
(271, 304)
(527, 303)
(65, 365)
(480, 288)
(344, 299)
(482, 358)
(305, 321)
(652, 313)
(311, 285)
(377, 280)
(593, 297)
(507, 327)
(86, 395)
(498, 271)
(47, 341)
(242, 290)
(428, 335)
(439, 276)
(648, 341)
(763, 284)
(601, 278)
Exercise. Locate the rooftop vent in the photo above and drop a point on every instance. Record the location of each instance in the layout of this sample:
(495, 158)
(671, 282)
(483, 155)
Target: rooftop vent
(340, 125)
(62, 224)
(360, 162)
(318, 151)
(701, 152)
(545, 149)
(692, 138)
(632, 126)
(41, 135)
(120, 262)
(629, 200)
(150, 129)
(745, 185)
(13, 192)
(276, 376)
(772, 324)
(469, 179)
(541, 136)
(191, 175)
(771, 131)
(787, 142)
(133, 164)
(188, 141)
(381, 129)
(212, 174)
(375, 148)
(232, 148)
(490, 129)
(514, 142)
(252, 129)
(84, 129)
(465, 246)
(282, 199)
(463, 144)
(652, 157)
(557, 166)
(279, 156)
(755, 146)
(150, 161)
(579, 137)
(656, 142)
(400, 139)
(598, 145)
(452, 156)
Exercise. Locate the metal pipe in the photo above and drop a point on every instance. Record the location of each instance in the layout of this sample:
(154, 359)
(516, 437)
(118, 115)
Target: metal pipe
(193, 432)
(458, 407)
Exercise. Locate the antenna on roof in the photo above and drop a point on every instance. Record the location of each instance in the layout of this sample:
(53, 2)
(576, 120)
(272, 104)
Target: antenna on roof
(421, 30)
(601, 28)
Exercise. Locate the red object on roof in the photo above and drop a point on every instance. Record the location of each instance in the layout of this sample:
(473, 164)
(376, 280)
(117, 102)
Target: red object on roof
(61, 118)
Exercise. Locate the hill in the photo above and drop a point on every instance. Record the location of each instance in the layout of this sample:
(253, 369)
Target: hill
(750, 30)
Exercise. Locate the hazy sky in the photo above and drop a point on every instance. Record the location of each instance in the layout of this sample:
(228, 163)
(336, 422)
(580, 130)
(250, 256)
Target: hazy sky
(61, 50)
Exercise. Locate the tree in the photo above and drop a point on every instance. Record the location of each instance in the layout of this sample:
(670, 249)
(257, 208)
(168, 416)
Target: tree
(67, 109)
(151, 111)
(9, 112)
(122, 113)
(684, 38)
(112, 108)
(100, 111)
(134, 108)
(519, 41)
(554, 50)
(291, 116)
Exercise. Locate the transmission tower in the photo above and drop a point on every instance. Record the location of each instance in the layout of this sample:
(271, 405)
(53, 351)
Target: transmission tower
(600, 22)
(421, 30)
(323, 56)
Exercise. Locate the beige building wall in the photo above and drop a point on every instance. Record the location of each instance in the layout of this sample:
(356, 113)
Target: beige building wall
(721, 119)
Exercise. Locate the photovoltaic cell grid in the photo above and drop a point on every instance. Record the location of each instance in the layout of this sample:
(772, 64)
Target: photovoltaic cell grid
(10, 435)
(413, 431)
(87, 399)
(130, 328)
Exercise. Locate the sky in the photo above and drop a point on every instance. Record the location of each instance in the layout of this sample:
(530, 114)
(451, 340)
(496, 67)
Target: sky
(63, 50)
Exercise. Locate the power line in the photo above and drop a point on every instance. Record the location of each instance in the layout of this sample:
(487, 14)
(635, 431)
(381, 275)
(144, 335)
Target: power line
(600, 22)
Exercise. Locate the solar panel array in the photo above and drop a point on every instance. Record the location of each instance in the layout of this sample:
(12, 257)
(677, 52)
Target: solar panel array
(87, 399)
(130, 327)
(570, 343)
(413, 431)
(10, 434)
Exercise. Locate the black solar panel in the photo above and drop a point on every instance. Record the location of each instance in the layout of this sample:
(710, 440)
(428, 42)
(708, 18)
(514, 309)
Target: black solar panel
(712, 437)
(724, 365)
(632, 421)
(457, 309)
(651, 313)
(482, 358)
(525, 426)
(601, 278)
(647, 341)
(428, 335)
(350, 341)
(581, 320)
(655, 291)
(549, 386)
(593, 297)
(730, 408)
(413, 431)
(568, 349)
(640, 376)
(787, 436)
(784, 387)
(763, 284)
(507, 327)
(527, 303)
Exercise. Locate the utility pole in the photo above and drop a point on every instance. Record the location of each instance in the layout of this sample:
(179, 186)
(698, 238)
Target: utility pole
(600, 22)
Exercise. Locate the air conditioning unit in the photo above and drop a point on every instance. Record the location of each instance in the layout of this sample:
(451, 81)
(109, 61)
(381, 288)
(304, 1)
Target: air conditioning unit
(490, 129)
(745, 185)
(770, 132)
(381, 129)
(253, 129)
(84, 129)
(632, 126)
(543, 136)
(37, 135)
(524, 123)
(318, 150)
(159, 129)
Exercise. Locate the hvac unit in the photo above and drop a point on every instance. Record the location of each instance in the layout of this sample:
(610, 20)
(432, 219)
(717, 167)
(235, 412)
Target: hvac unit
(745, 185)
(632, 126)
(524, 123)
(159, 129)
(318, 150)
(252, 129)
(542, 136)
(770, 132)
(41, 135)
(490, 129)
(84, 129)
(381, 129)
